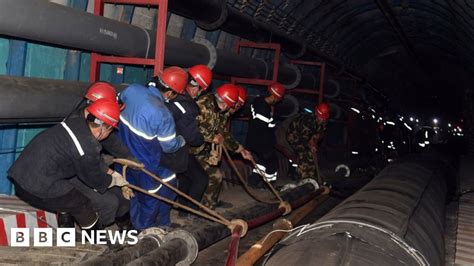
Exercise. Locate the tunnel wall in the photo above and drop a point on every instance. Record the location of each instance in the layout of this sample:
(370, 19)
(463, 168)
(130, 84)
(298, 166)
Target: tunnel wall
(398, 218)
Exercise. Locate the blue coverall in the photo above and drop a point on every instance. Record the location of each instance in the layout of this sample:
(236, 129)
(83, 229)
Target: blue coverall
(148, 129)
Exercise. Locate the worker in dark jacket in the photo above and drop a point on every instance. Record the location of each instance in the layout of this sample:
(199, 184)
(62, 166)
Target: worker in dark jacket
(261, 134)
(71, 149)
(111, 205)
(193, 181)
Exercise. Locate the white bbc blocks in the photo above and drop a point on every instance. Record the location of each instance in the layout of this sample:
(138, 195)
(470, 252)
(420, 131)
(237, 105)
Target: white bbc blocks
(42, 237)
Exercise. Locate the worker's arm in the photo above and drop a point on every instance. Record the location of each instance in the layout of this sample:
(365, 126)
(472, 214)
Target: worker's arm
(92, 171)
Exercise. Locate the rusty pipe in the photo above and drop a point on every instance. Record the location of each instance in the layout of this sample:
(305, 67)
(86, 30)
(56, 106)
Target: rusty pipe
(280, 229)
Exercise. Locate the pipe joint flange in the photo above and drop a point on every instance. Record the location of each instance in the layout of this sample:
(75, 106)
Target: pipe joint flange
(285, 205)
(297, 80)
(283, 223)
(239, 222)
(210, 26)
(336, 86)
(191, 245)
(155, 233)
(309, 181)
(345, 167)
(210, 48)
(267, 69)
(299, 54)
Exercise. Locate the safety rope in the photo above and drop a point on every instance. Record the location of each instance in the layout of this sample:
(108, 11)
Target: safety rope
(211, 214)
(242, 180)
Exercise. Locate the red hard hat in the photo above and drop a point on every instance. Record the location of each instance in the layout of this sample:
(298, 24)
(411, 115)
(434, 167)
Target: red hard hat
(322, 111)
(228, 93)
(175, 78)
(202, 75)
(101, 90)
(276, 89)
(242, 95)
(106, 111)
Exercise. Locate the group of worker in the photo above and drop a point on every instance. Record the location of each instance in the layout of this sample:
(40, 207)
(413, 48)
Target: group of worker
(168, 127)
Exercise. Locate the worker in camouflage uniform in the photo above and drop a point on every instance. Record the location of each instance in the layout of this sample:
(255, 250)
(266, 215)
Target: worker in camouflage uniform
(212, 120)
(303, 134)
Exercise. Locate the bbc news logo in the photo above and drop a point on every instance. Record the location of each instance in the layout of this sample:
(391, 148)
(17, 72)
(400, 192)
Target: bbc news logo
(66, 237)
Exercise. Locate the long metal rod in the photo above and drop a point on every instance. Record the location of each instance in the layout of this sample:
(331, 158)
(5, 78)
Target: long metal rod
(280, 229)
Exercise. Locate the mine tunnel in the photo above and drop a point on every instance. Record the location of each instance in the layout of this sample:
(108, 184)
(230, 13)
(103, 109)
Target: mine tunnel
(236, 132)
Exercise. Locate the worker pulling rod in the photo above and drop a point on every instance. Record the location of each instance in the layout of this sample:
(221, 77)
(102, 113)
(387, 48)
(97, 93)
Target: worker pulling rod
(211, 214)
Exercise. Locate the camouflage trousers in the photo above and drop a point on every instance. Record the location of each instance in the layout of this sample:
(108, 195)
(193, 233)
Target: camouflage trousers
(211, 196)
(306, 163)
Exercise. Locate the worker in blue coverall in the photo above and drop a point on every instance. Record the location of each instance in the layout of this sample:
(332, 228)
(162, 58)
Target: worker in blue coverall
(148, 129)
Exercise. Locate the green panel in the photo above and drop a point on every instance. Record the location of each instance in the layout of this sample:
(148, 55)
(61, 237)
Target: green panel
(105, 72)
(85, 66)
(3, 55)
(137, 75)
(45, 61)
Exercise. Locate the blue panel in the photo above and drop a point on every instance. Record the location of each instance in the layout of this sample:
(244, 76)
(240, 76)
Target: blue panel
(85, 67)
(73, 65)
(8, 134)
(189, 29)
(45, 61)
(7, 156)
(213, 36)
(4, 45)
(137, 75)
(16, 58)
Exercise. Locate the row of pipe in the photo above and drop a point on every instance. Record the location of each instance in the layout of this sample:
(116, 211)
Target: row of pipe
(80, 30)
(396, 219)
(206, 233)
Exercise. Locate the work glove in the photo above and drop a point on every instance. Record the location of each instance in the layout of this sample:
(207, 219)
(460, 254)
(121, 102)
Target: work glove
(117, 180)
(246, 155)
(127, 192)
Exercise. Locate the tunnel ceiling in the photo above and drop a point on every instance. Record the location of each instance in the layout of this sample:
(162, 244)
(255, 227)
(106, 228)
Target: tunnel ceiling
(418, 52)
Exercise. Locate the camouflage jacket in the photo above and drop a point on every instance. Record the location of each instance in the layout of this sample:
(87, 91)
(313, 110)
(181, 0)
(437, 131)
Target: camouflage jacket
(212, 121)
(304, 127)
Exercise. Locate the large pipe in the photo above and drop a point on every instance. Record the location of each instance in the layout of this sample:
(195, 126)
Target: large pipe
(81, 30)
(398, 218)
(207, 233)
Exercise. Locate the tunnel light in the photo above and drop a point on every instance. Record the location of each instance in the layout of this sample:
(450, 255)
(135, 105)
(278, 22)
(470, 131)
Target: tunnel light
(376, 149)
(435, 121)
(372, 110)
(411, 119)
(383, 142)
(355, 110)
(355, 152)
(449, 125)
(307, 110)
(427, 142)
(389, 160)
(404, 142)
(390, 123)
(418, 121)
(460, 129)
(421, 145)
(426, 134)
(401, 118)
(407, 126)
(373, 116)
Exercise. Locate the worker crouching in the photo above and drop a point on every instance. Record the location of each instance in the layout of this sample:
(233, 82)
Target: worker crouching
(44, 170)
